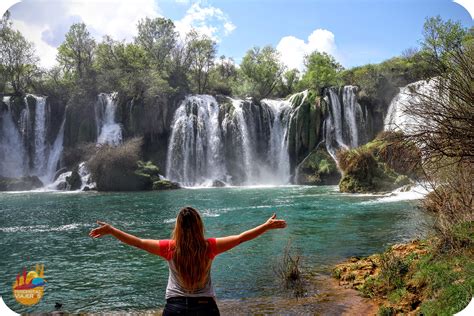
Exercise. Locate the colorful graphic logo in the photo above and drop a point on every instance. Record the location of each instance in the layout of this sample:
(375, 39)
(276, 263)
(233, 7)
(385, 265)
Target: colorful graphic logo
(28, 288)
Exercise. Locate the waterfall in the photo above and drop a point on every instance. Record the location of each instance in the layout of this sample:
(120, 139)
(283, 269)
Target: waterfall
(245, 141)
(237, 142)
(195, 147)
(108, 130)
(55, 154)
(397, 119)
(352, 115)
(12, 151)
(345, 123)
(26, 141)
(41, 148)
(278, 154)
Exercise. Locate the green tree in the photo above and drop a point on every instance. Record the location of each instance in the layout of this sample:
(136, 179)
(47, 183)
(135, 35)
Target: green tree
(202, 52)
(261, 70)
(440, 38)
(158, 37)
(18, 62)
(288, 83)
(322, 70)
(76, 53)
(223, 76)
(125, 67)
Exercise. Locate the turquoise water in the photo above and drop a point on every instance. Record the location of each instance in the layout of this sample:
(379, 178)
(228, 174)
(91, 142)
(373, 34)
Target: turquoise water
(104, 275)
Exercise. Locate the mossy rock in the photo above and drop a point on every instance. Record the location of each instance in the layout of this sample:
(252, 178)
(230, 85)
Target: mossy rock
(384, 164)
(165, 185)
(304, 126)
(318, 169)
(74, 181)
(148, 169)
(218, 184)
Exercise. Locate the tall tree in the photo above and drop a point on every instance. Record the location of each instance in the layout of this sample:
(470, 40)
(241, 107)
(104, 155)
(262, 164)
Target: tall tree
(262, 71)
(76, 53)
(18, 62)
(440, 38)
(202, 52)
(158, 37)
(322, 70)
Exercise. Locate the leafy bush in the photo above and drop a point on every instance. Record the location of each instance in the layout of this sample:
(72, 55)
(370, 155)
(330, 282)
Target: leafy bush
(114, 168)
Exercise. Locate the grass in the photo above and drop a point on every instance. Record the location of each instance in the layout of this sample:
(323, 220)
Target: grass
(289, 271)
(426, 281)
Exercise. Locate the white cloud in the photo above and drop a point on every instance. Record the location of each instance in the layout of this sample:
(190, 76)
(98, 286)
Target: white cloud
(117, 18)
(207, 20)
(46, 22)
(33, 33)
(293, 50)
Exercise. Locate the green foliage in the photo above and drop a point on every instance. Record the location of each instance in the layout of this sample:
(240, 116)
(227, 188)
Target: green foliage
(288, 83)
(18, 62)
(322, 70)
(76, 54)
(223, 77)
(261, 71)
(422, 279)
(383, 164)
(440, 38)
(393, 270)
(148, 170)
(126, 68)
(318, 168)
(157, 37)
(386, 311)
(202, 52)
(165, 185)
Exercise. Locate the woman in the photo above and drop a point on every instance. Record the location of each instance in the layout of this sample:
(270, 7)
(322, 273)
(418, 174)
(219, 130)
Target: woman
(189, 256)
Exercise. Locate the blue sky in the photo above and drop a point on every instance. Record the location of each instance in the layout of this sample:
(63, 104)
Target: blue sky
(356, 32)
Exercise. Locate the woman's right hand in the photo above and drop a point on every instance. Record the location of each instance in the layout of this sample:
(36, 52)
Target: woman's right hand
(104, 229)
(274, 223)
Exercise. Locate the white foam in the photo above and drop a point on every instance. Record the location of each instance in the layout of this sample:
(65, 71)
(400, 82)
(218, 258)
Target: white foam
(417, 192)
(40, 228)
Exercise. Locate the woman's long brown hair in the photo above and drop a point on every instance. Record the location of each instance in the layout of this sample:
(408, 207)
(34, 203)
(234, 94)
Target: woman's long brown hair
(191, 249)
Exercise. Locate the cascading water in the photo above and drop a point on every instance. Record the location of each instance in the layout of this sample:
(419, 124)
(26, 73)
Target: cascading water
(352, 116)
(345, 122)
(245, 140)
(108, 130)
(237, 143)
(19, 142)
(397, 119)
(12, 151)
(278, 155)
(41, 147)
(195, 148)
(55, 153)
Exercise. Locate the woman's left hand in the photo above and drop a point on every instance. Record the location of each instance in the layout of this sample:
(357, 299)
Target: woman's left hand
(104, 229)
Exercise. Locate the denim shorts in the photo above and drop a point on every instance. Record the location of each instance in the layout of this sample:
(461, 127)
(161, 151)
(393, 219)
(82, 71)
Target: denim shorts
(191, 306)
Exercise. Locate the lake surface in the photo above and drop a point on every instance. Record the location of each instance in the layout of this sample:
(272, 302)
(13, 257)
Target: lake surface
(92, 275)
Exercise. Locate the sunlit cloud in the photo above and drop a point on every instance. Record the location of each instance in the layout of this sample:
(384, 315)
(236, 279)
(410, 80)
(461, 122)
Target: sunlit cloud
(293, 50)
(206, 20)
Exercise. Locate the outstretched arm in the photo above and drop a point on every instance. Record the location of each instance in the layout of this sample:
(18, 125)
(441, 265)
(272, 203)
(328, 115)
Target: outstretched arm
(149, 245)
(229, 242)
